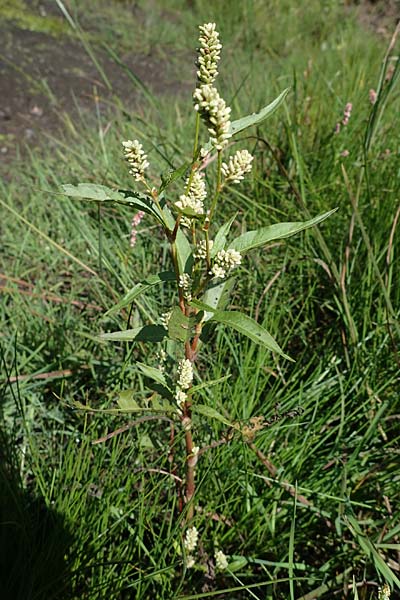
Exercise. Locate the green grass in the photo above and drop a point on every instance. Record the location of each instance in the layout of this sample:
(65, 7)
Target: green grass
(83, 520)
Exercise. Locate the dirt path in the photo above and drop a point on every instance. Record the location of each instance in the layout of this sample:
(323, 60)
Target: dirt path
(46, 74)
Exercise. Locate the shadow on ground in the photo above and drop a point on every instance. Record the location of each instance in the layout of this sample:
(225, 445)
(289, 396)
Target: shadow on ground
(34, 540)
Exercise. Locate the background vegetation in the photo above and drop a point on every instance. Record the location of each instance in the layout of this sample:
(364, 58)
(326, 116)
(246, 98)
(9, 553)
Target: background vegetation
(320, 517)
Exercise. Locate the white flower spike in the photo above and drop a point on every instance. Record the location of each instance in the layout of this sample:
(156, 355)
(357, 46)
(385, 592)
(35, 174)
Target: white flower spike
(136, 159)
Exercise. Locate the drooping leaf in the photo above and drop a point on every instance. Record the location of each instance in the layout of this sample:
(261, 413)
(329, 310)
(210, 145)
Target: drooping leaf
(260, 237)
(141, 287)
(92, 191)
(211, 413)
(262, 115)
(152, 373)
(244, 325)
(148, 333)
(101, 193)
(172, 175)
(220, 238)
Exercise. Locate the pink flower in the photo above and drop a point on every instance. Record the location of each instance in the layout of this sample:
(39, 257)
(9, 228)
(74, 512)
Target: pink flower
(347, 113)
(345, 153)
(135, 222)
(372, 96)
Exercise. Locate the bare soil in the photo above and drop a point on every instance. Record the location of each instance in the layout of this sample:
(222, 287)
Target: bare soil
(44, 77)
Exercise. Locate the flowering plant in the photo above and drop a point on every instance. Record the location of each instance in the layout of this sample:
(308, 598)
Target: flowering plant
(204, 261)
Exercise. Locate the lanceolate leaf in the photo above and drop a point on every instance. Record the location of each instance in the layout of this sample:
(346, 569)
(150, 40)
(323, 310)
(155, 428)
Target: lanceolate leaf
(152, 373)
(216, 296)
(257, 118)
(141, 287)
(101, 193)
(208, 384)
(245, 325)
(220, 238)
(211, 413)
(92, 191)
(172, 175)
(260, 237)
(148, 333)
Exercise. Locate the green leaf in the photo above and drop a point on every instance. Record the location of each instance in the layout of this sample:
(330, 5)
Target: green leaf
(211, 413)
(245, 325)
(126, 401)
(257, 118)
(208, 384)
(101, 193)
(220, 238)
(180, 326)
(141, 287)
(217, 295)
(152, 373)
(183, 247)
(172, 175)
(260, 237)
(148, 333)
(92, 191)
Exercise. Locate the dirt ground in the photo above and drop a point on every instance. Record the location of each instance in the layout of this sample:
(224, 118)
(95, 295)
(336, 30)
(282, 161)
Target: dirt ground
(46, 75)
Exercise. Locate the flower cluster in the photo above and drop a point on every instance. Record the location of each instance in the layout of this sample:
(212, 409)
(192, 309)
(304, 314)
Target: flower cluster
(346, 117)
(214, 112)
(135, 222)
(347, 113)
(209, 53)
(185, 374)
(221, 562)
(185, 282)
(190, 543)
(225, 261)
(165, 317)
(238, 165)
(136, 158)
(201, 249)
(180, 397)
(384, 592)
(195, 195)
(372, 96)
